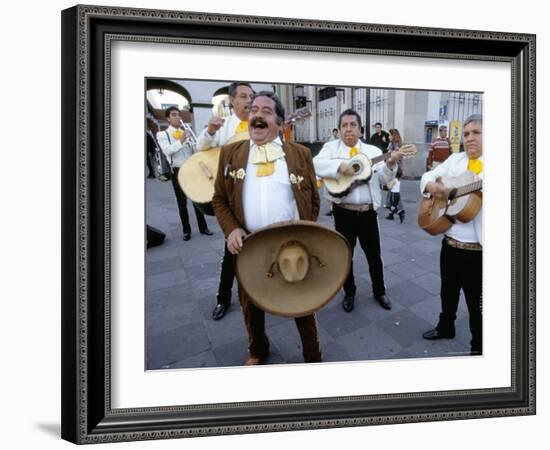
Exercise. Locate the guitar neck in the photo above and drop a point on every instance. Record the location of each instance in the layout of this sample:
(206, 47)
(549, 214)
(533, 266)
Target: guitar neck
(379, 158)
(468, 188)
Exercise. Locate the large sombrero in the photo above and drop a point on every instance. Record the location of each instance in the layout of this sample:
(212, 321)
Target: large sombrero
(293, 268)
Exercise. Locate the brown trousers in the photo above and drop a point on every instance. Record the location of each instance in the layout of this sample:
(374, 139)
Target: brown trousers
(258, 343)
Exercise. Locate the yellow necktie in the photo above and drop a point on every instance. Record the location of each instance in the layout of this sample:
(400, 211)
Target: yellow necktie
(177, 134)
(475, 165)
(243, 126)
(353, 151)
(264, 157)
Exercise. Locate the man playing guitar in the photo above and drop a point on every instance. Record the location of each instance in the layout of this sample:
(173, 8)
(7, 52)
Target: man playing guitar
(355, 213)
(461, 251)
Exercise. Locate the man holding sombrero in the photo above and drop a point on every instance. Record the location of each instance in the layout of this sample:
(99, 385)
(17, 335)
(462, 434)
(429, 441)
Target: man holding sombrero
(261, 182)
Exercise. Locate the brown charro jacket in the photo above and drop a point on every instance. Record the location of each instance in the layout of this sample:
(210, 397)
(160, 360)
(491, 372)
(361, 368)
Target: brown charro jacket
(228, 190)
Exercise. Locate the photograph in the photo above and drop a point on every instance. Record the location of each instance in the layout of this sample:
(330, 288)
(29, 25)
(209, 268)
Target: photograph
(402, 296)
(282, 224)
(249, 226)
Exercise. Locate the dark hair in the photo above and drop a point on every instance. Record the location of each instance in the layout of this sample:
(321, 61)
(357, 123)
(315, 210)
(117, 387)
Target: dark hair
(376, 124)
(349, 112)
(335, 129)
(232, 91)
(279, 109)
(171, 108)
(473, 118)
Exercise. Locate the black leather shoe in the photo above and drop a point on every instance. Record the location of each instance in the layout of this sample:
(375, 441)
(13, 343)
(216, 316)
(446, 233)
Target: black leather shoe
(219, 311)
(207, 232)
(435, 334)
(186, 236)
(348, 303)
(401, 217)
(384, 301)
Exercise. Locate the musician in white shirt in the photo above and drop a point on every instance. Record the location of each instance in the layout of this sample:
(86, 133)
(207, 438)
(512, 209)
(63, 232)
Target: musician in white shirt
(220, 130)
(173, 143)
(216, 134)
(355, 214)
(461, 252)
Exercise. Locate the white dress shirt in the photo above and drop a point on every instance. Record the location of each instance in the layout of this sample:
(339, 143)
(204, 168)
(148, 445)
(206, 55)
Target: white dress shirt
(226, 132)
(268, 199)
(334, 153)
(176, 152)
(453, 166)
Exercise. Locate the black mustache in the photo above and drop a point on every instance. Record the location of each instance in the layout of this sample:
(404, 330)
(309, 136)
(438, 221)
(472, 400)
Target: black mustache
(258, 122)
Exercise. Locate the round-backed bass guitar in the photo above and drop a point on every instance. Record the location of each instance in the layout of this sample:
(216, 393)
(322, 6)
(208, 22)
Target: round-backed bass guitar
(198, 174)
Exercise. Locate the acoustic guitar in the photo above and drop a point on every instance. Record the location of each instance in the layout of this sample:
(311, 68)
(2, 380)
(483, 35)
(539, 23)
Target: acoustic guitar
(197, 175)
(462, 202)
(362, 168)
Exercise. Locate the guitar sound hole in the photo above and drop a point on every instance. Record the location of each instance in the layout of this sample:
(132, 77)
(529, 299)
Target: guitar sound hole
(356, 167)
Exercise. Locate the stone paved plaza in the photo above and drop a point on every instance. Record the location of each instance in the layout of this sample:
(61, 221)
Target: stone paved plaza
(182, 280)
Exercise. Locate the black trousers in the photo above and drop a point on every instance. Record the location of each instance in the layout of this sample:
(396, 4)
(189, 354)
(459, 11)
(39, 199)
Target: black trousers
(182, 206)
(461, 269)
(363, 226)
(148, 160)
(394, 203)
(227, 276)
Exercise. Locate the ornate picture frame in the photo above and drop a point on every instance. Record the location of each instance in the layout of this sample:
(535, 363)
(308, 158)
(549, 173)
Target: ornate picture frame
(88, 33)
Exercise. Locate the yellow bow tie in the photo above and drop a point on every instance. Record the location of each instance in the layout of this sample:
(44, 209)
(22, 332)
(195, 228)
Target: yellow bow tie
(265, 156)
(353, 151)
(475, 165)
(243, 126)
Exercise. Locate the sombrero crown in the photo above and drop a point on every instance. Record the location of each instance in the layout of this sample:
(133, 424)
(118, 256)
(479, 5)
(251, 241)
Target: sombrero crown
(293, 268)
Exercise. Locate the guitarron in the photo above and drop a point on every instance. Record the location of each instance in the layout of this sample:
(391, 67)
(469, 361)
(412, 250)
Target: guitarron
(198, 174)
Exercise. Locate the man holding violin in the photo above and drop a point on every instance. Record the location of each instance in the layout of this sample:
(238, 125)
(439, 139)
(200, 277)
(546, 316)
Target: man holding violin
(217, 133)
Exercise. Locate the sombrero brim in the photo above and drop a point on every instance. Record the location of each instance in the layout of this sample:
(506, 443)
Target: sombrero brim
(275, 295)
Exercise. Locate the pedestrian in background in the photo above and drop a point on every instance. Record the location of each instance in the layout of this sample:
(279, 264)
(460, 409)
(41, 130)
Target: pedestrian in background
(440, 149)
(393, 202)
(380, 138)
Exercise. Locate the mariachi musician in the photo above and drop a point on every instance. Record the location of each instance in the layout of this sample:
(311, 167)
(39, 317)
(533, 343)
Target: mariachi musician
(262, 181)
(174, 143)
(355, 214)
(461, 250)
(217, 133)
